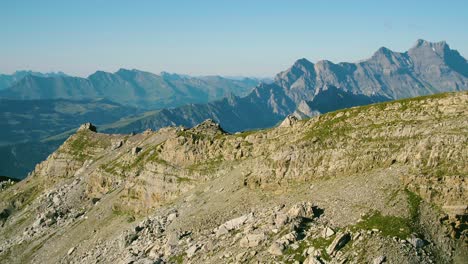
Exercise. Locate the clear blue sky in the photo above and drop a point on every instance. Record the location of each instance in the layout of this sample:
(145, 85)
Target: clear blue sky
(237, 37)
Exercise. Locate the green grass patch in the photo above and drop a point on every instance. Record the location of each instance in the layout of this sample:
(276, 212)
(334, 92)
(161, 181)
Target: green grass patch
(414, 201)
(183, 179)
(394, 226)
(390, 226)
(83, 143)
(178, 259)
(321, 244)
(297, 253)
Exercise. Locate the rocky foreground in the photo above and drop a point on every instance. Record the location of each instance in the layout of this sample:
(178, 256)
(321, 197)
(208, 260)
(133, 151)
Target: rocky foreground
(383, 183)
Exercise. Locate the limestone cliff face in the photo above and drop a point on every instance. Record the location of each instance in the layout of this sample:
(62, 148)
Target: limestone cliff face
(302, 190)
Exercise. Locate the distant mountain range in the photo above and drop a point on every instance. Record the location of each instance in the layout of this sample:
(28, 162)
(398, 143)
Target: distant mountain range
(7, 80)
(305, 89)
(426, 68)
(127, 87)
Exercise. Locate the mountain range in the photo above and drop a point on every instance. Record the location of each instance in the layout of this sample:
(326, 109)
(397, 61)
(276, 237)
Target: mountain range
(128, 87)
(305, 89)
(426, 68)
(7, 80)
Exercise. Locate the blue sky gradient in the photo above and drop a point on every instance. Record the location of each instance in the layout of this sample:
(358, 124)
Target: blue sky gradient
(202, 37)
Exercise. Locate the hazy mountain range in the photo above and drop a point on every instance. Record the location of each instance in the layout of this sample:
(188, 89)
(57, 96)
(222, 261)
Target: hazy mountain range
(7, 80)
(128, 87)
(304, 89)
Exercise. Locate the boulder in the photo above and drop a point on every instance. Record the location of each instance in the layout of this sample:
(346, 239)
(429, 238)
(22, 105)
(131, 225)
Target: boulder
(328, 232)
(279, 245)
(136, 150)
(252, 240)
(171, 217)
(192, 250)
(281, 219)
(276, 248)
(289, 121)
(233, 224)
(416, 242)
(70, 251)
(339, 242)
(87, 127)
(304, 209)
(379, 260)
(117, 144)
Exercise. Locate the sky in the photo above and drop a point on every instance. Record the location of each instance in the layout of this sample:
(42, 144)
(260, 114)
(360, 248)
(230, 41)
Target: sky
(215, 37)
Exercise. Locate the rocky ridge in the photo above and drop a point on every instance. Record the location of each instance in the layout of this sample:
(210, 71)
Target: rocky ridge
(380, 183)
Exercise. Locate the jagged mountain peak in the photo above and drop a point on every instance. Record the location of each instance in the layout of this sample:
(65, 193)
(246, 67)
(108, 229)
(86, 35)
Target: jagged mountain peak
(303, 63)
(100, 73)
(421, 46)
(324, 64)
(383, 51)
(124, 70)
(424, 43)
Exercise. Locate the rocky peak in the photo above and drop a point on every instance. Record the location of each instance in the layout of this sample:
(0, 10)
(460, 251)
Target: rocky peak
(303, 64)
(300, 68)
(130, 74)
(87, 127)
(208, 127)
(436, 58)
(383, 51)
(423, 46)
(424, 43)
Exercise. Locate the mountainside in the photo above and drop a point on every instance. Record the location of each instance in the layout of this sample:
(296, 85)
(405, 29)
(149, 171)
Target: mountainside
(373, 184)
(264, 107)
(25, 126)
(259, 109)
(38, 119)
(129, 87)
(427, 68)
